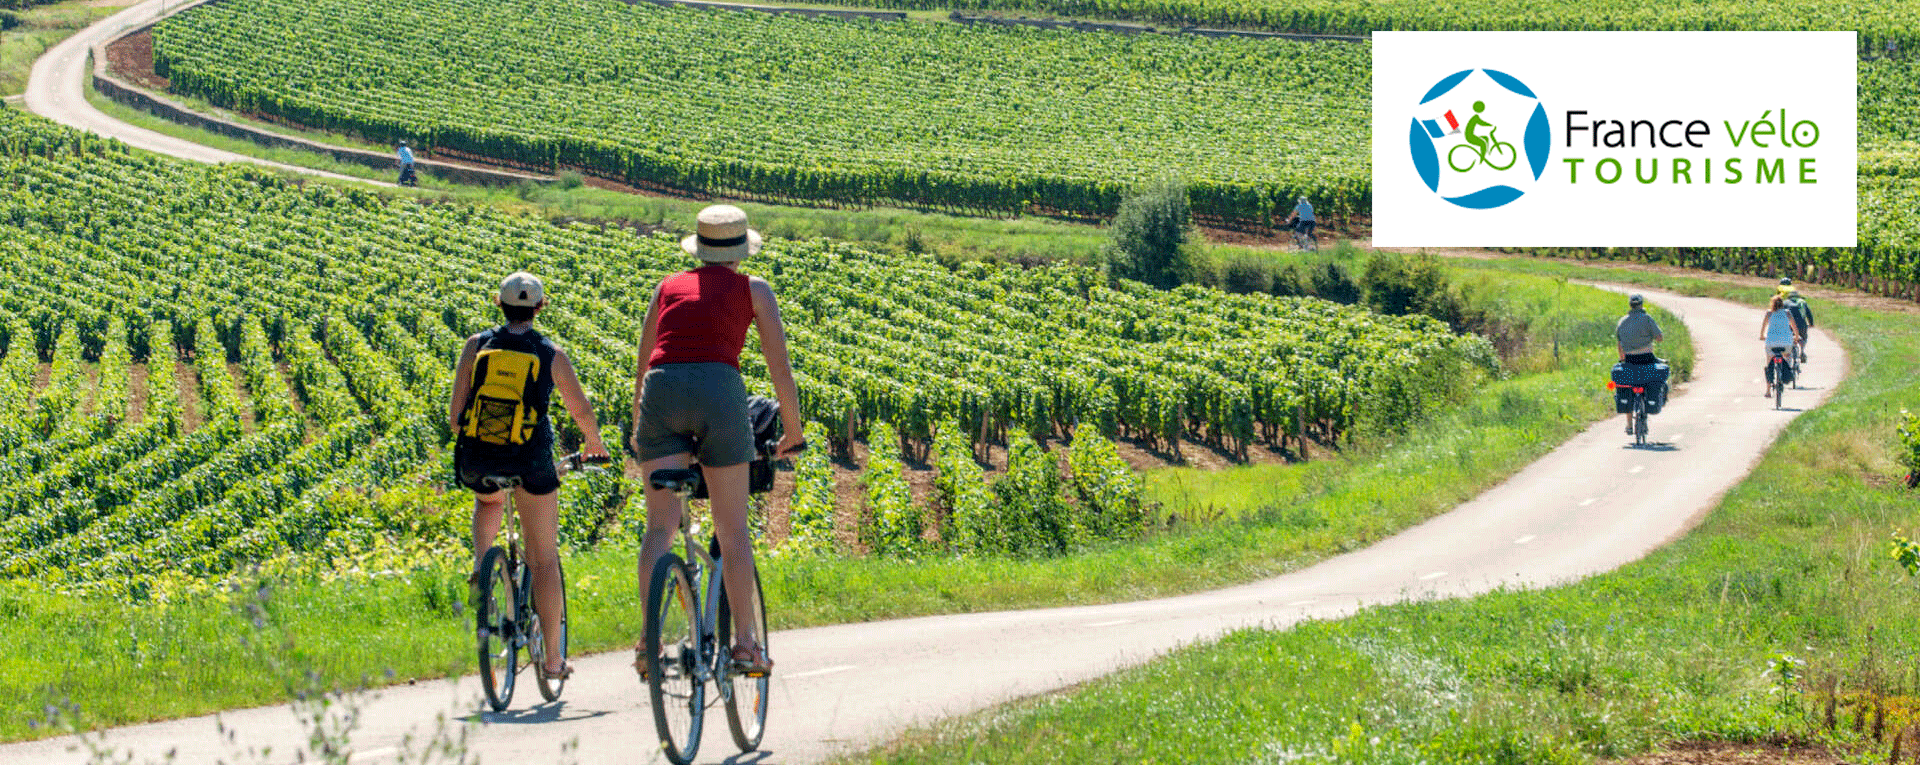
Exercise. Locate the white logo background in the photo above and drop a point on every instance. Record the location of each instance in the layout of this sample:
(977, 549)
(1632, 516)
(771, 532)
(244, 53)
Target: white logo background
(1711, 76)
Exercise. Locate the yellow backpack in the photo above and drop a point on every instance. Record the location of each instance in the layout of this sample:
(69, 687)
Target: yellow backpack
(498, 411)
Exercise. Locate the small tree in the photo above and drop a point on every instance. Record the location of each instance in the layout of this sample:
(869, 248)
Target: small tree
(1150, 234)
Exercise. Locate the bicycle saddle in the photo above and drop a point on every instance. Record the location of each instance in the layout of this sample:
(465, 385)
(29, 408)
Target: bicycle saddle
(675, 479)
(500, 482)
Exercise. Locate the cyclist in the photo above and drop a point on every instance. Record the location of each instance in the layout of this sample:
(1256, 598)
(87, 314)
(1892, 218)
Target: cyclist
(1480, 142)
(1778, 330)
(405, 155)
(1801, 313)
(1634, 336)
(689, 400)
(1302, 219)
(521, 298)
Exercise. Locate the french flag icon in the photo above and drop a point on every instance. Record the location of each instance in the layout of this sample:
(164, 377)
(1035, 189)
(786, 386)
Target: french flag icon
(1433, 126)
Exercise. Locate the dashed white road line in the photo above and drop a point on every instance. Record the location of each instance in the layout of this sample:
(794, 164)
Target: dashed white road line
(1107, 624)
(1524, 540)
(374, 754)
(1588, 501)
(1302, 602)
(1636, 469)
(1433, 575)
(823, 671)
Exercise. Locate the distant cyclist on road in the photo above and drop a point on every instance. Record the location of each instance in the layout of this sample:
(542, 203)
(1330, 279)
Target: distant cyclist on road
(498, 413)
(1778, 330)
(689, 401)
(1801, 313)
(1634, 336)
(1636, 333)
(1302, 219)
(407, 177)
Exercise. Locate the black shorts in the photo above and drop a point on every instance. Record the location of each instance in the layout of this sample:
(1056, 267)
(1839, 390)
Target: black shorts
(1304, 227)
(532, 462)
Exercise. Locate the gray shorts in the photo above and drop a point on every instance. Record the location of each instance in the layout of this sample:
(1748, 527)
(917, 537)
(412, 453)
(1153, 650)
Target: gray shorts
(689, 405)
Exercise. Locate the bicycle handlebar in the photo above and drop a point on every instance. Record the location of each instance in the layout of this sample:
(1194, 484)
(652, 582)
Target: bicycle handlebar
(576, 462)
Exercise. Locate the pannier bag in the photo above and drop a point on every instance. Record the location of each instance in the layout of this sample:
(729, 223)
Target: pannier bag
(763, 414)
(498, 412)
(1652, 377)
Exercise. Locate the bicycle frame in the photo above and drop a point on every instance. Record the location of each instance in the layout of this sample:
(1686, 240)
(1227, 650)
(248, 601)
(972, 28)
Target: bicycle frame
(713, 665)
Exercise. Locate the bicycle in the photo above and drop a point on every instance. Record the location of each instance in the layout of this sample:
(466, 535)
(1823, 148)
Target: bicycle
(502, 627)
(1303, 241)
(689, 629)
(1475, 155)
(1636, 413)
(1779, 374)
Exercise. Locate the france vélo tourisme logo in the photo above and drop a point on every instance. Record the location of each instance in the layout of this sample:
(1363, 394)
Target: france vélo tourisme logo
(1614, 139)
(1449, 146)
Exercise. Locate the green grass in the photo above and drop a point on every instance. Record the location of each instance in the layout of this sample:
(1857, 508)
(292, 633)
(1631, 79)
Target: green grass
(1683, 645)
(39, 29)
(198, 654)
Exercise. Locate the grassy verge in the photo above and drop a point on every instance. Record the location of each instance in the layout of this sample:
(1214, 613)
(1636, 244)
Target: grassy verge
(196, 655)
(38, 29)
(1781, 619)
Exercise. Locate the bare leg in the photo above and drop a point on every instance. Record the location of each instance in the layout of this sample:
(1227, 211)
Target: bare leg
(663, 517)
(486, 523)
(540, 524)
(728, 486)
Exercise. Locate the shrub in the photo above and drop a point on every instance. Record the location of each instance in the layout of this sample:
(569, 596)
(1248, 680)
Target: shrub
(810, 512)
(1291, 280)
(1399, 285)
(1333, 282)
(960, 493)
(1150, 234)
(1036, 519)
(1107, 488)
(891, 525)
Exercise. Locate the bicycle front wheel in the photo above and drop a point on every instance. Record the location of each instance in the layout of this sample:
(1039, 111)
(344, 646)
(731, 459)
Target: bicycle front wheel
(550, 687)
(673, 657)
(747, 702)
(494, 627)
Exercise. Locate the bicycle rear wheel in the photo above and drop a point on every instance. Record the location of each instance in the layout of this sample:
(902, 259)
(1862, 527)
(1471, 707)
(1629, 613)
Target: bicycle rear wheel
(674, 661)
(549, 687)
(494, 628)
(1640, 420)
(1779, 384)
(747, 702)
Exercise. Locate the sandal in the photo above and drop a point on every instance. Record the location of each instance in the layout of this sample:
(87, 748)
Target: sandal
(751, 660)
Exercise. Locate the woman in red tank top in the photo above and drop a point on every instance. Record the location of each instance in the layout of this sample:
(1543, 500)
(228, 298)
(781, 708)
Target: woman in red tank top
(689, 400)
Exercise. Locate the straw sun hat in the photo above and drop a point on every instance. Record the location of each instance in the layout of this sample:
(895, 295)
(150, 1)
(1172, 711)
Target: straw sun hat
(722, 235)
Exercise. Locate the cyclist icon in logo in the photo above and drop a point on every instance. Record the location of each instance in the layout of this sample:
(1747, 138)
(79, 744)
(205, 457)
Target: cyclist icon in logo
(1481, 147)
(1498, 154)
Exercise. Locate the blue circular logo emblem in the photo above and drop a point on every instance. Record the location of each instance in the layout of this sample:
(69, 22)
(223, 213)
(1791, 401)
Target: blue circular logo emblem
(1465, 118)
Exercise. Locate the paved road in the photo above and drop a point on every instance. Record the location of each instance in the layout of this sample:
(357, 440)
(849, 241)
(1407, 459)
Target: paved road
(56, 90)
(1591, 505)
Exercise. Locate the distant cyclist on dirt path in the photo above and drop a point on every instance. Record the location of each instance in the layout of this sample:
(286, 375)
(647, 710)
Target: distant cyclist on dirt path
(1778, 330)
(689, 401)
(501, 429)
(1302, 218)
(407, 177)
(1801, 312)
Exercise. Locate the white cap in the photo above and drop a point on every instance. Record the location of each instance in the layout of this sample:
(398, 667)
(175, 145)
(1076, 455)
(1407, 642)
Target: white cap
(521, 289)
